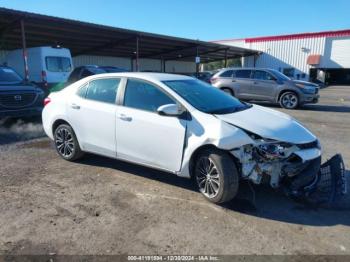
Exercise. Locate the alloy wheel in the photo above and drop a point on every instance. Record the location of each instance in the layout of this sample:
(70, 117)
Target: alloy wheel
(208, 177)
(64, 142)
(290, 100)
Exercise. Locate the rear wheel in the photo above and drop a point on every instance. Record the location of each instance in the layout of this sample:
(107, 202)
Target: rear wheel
(289, 100)
(66, 143)
(216, 176)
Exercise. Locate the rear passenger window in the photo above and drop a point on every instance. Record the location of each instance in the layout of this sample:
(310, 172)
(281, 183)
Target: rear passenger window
(243, 73)
(227, 73)
(142, 95)
(262, 75)
(103, 90)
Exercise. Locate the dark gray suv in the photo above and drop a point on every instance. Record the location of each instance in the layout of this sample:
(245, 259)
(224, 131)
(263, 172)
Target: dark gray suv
(265, 85)
(17, 97)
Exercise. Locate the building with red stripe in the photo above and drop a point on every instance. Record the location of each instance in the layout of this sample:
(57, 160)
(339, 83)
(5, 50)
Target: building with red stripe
(318, 56)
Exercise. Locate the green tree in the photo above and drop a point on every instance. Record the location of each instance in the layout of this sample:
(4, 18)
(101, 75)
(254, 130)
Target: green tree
(235, 62)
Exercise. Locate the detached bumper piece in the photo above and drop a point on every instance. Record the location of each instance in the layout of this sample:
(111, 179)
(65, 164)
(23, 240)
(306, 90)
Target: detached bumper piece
(328, 187)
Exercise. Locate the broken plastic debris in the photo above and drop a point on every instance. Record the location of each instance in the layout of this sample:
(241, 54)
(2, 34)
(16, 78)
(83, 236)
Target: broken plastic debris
(330, 184)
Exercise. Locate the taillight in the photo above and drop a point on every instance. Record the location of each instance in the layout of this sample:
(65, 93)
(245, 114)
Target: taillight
(47, 100)
(213, 80)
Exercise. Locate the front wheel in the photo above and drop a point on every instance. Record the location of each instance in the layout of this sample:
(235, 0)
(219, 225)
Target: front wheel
(289, 100)
(66, 143)
(216, 176)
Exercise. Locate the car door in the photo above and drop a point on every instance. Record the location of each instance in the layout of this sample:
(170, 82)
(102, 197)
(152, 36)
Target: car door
(92, 113)
(144, 136)
(264, 85)
(226, 79)
(243, 82)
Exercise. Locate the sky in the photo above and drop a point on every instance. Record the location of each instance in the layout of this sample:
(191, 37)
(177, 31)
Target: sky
(200, 19)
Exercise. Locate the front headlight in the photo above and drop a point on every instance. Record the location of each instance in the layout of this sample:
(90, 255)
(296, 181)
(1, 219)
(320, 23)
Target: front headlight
(275, 150)
(304, 86)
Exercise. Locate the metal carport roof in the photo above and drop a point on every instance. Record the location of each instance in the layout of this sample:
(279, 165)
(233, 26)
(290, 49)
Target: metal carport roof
(93, 39)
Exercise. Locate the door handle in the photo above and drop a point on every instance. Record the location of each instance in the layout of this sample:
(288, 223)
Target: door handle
(124, 117)
(255, 83)
(233, 80)
(75, 106)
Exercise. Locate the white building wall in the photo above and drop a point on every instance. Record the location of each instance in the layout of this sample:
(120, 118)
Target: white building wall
(144, 64)
(180, 67)
(284, 53)
(126, 63)
(337, 53)
(102, 61)
(293, 53)
(147, 64)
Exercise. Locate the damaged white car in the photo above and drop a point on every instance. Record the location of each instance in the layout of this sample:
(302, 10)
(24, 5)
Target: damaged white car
(184, 126)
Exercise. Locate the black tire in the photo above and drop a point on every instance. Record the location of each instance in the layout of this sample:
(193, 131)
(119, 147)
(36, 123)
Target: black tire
(228, 91)
(226, 177)
(289, 100)
(66, 143)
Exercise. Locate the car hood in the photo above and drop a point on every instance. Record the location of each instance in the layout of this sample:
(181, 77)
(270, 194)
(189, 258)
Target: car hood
(269, 123)
(304, 83)
(18, 87)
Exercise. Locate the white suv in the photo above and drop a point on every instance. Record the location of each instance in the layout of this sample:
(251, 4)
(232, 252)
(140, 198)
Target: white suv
(184, 126)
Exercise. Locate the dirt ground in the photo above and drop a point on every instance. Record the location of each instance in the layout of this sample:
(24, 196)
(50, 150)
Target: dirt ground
(103, 206)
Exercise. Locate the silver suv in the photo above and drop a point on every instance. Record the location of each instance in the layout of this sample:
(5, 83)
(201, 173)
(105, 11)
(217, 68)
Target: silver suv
(265, 85)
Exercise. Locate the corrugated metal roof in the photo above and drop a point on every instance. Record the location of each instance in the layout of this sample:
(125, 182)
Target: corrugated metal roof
(93, 39)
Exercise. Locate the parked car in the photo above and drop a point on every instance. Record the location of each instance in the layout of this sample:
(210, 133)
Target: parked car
(48, 66)
(113, 69)
(18, 98)
(204, 76)
(184, 126)
(266, 85)
(89, 70)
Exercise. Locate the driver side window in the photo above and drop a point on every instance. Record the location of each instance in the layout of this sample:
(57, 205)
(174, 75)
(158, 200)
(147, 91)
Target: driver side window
(145, 96)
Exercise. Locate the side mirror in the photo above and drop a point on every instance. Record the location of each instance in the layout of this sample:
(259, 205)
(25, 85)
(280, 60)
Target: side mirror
(170, 110)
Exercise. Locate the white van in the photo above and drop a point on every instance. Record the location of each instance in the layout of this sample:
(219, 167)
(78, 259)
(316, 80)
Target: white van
(47, 65)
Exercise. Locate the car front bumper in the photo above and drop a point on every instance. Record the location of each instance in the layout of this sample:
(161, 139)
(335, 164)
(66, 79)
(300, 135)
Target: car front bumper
(310, 98)
(23, 112)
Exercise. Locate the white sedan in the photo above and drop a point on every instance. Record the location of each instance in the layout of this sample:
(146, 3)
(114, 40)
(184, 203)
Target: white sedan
(184, 126)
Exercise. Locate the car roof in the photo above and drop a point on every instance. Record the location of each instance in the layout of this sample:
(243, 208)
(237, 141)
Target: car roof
(145, 76)
(245, 68)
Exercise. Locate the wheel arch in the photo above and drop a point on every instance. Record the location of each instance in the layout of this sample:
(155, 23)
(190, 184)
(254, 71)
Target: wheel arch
(203, 148)
(59, 122)
(229, 88)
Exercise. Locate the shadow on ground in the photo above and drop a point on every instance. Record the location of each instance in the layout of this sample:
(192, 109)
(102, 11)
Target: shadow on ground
(258, 201)
(313, 107)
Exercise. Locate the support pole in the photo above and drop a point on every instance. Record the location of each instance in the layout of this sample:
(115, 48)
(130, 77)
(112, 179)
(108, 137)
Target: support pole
(197, 64)
(137, 55)
(24, 48)
(225, 58)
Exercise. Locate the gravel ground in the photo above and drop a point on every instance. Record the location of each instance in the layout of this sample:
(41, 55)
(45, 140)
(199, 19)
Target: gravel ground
(103, 206)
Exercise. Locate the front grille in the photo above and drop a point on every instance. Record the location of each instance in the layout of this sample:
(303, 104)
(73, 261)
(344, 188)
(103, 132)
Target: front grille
(313, 144)
(16, 100)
